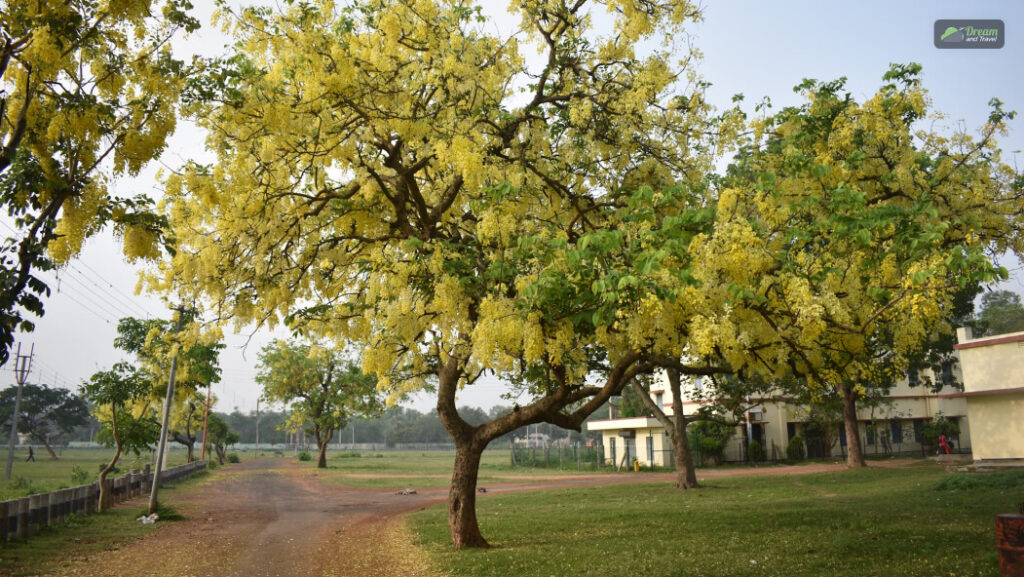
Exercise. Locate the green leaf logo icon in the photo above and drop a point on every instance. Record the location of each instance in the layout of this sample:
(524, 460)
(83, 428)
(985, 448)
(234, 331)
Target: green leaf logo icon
(949, 32)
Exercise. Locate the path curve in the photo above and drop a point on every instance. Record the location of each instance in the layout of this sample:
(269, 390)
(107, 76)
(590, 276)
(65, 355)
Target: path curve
(274, 518)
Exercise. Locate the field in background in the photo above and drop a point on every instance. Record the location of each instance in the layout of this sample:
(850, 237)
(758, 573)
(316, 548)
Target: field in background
(400, 469)
(45, 474)
(876, 522)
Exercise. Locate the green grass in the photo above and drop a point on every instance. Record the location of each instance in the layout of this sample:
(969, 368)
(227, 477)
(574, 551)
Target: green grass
(422, 468)
(83, 536)
(876, 522)
(45, 474)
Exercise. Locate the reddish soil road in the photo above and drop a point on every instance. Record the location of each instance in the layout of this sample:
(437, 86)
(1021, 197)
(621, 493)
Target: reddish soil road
(270, 518)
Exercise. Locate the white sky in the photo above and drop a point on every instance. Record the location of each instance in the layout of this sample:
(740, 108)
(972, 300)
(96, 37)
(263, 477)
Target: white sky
(755, 48)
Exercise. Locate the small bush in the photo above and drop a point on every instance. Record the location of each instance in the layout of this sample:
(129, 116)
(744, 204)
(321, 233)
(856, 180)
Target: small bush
(80, 476)
(996, 480)
(795, 449)
(305, 456)
(348, 455)
(212, 464)
(233, 458)
(113, 471)
(755, 451)
(27, 486)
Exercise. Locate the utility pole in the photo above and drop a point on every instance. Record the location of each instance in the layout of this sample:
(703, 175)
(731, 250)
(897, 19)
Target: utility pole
(257, 426)
(168, 399)
(206, 418)
(22, 367)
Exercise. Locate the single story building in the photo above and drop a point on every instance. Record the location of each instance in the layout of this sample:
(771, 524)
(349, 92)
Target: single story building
(891, 428)
(993, 377)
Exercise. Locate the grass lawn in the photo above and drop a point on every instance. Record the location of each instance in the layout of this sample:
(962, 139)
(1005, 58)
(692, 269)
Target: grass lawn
(44, 474)
(85, 535)
(397, 469)
(875, 522)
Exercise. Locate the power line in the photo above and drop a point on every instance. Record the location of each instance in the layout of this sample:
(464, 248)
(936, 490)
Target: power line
(116, 289)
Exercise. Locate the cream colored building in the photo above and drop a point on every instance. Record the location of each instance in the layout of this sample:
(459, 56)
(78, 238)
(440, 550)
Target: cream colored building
(896, 428)
(993, 377)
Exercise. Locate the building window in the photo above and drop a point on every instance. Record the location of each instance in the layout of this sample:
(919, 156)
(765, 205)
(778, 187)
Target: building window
(897, 431)
(842, 436)
(790, 431)
(611, 445)
(947, 374)
(870, 430)
(913, 378)
(659, 399)
(918, 430)
(650, 450)
(698, 383)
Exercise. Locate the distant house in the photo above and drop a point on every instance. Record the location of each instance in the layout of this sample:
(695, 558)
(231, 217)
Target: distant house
(993, 370)
(894, 428)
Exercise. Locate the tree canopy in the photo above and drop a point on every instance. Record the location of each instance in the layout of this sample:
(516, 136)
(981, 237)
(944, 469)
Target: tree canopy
(395, 174)
(320, 387)
(1001, 312)
(46, 412)
(90, 94)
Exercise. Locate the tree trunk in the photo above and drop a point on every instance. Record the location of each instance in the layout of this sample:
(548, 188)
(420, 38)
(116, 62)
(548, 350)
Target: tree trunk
(104, 499)
(854, 454)
(220, 453)
(462, 498)
(686, 472)
(322, 441)
(191, 451)
(49, 449)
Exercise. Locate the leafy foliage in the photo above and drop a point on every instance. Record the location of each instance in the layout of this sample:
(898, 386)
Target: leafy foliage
(46, 413)
(1001, 312)
(320, 387)
(90, 90)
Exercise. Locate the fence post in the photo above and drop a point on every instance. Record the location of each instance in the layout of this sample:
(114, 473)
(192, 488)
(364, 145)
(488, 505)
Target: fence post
(35, 511)
(5, 524)
(24, 506)
(53, 504)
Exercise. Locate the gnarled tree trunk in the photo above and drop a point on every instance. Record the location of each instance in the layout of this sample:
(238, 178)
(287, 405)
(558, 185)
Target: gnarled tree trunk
(105, 501)
(462, 497)
(854, 453)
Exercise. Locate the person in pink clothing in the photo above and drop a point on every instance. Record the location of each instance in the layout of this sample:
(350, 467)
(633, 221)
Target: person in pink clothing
(943, 445)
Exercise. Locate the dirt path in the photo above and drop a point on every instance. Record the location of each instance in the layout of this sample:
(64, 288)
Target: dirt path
(271, 518)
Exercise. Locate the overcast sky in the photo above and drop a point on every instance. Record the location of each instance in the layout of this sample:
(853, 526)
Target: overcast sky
(755, 48)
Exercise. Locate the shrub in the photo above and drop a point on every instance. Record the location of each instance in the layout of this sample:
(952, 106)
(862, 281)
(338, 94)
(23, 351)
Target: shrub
(795, 449)
(940, 425)
(80, 476)
(27, 486)
(212, 464)
(708, 439)
(233, 458)
(305, 456)
(996, 480)
(755, 451)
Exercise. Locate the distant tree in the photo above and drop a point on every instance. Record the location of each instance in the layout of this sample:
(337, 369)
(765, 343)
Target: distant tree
(187, 422)
(632, 404)
(45, 412)
(219, 436)
(1001, 312)
(120, 399)
(320, 386)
